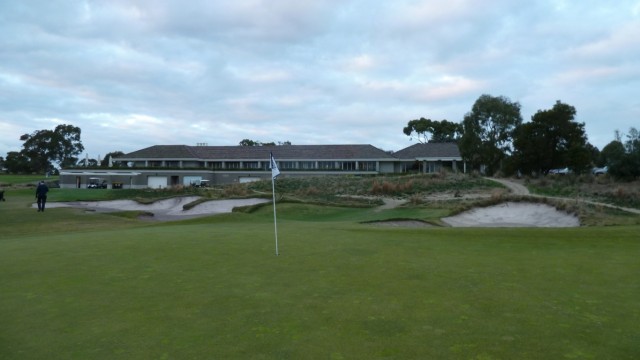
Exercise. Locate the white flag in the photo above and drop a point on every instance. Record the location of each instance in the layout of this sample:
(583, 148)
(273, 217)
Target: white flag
(274, 172)
(274, 167)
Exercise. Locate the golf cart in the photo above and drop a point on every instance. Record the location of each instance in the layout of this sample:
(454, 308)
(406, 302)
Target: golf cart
(200, 183)
(97, 183)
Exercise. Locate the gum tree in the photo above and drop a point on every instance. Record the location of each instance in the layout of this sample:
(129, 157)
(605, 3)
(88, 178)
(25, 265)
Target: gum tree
(488, 132)
(427, 130)
(46, 148)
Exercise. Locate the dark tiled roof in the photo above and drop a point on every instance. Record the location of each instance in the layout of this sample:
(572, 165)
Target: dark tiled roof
(162, 152)
(283, 152)
(429, 150)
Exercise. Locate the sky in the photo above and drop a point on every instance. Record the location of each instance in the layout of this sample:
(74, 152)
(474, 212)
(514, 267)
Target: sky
(133, 74)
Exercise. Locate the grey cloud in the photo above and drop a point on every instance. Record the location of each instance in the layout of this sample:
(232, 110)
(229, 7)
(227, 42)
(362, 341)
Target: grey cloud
(131, 74)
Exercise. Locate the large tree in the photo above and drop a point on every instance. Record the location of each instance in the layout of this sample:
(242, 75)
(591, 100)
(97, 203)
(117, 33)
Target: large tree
(552, 140)
(488, 131)
(427, 130)
(44, 148)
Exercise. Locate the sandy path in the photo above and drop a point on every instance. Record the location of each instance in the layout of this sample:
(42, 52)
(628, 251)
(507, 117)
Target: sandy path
(516, 189)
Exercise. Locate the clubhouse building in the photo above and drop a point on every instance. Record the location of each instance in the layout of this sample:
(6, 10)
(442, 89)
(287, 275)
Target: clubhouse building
(161, 166)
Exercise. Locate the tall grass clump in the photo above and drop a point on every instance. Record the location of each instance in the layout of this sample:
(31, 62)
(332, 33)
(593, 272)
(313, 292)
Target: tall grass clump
(392, 188)
(236, 190)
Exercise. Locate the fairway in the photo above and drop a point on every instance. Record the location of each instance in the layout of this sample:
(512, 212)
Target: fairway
(213, 288)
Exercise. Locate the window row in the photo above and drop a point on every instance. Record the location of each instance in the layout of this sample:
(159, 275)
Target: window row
(264, 165)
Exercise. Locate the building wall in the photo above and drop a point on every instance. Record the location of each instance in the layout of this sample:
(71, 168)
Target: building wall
(227, 173)
(177, 177)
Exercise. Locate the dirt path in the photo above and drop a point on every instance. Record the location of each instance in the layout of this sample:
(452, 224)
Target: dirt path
(516, 189)
(390, 203)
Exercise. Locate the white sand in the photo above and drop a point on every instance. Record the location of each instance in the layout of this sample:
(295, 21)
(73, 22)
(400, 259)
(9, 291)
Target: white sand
(510, 214)
(513, 214)
(164, 209)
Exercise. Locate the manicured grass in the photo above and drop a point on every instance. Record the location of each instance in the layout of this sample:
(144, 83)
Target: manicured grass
(213, 288)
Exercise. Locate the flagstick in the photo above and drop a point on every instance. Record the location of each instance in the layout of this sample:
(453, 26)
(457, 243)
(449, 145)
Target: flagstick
(275, 223)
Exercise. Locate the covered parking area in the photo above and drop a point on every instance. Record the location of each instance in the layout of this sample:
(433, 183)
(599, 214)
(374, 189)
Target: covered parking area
(82, 179)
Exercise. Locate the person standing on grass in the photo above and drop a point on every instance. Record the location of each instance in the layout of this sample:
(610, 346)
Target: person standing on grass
(41, 195)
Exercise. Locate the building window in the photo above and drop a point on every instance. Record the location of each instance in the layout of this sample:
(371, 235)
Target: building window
(251, 165)
(286, 164)
(367, 166)
(348, 165)
(216, 165)
(326, 165)
(432, 167)
(233, 165)
(307, 165)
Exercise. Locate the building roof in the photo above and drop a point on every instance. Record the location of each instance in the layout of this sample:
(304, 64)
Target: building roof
(433, 151)
(161, 152)
(282, 152)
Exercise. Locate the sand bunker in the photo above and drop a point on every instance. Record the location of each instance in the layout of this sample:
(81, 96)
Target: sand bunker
(509, 214)
(514, 214)
(168, 209)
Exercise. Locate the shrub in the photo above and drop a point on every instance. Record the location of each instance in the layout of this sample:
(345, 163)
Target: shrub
(236, 190)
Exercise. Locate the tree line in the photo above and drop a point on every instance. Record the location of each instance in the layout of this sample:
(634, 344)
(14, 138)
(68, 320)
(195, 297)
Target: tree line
(44, 151)
(493, 138)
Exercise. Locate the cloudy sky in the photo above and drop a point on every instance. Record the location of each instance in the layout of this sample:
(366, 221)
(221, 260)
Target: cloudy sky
(134, 73)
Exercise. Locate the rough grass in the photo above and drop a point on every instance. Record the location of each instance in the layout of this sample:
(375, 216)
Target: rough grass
(7, 180)
(602, 188)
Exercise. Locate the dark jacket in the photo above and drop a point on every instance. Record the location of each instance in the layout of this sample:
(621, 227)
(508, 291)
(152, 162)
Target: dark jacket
(41, 190)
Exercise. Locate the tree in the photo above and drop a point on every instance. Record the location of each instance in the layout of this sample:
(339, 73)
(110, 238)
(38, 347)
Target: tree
(579, 157)
(68, 144)
(627, 165)
(427, 130)
(17, 162)
(633, 143)
(553, 140)
(87, 162)
(611, 153)
(46, 147)
(249, 142)
(531, 155)
(488, 131)
(111, 155)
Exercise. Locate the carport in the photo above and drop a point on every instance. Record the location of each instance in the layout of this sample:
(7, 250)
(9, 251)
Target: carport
(80, 178)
